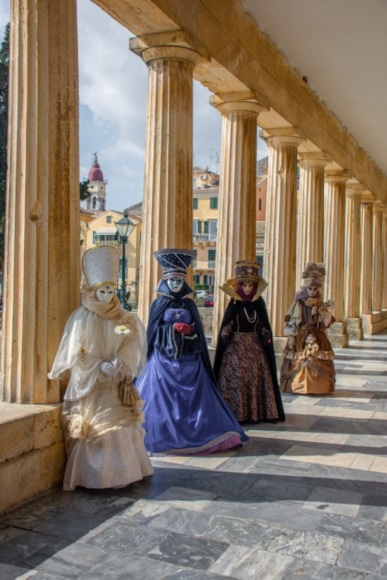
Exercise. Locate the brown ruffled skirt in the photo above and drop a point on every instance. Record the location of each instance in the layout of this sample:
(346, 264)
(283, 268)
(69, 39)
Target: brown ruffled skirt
(245, 380)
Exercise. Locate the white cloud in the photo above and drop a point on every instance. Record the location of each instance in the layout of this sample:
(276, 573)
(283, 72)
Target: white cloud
(113, 95)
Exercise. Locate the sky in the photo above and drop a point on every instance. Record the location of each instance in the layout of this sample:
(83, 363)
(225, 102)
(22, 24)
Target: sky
(113, 93)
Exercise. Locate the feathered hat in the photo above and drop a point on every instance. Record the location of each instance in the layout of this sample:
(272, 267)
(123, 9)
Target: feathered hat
(314, 274)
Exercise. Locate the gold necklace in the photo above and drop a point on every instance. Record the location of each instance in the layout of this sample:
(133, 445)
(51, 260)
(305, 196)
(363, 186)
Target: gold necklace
(253, 319)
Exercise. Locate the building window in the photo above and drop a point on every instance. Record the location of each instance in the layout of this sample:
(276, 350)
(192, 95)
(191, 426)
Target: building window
(208, 280)
(259, 259)
(94, 202)
(196, 278)
(212, 229)
(213, 203)
(104, 238)
(259, 204)
(108, 219)
(195, 203)
(211, 258)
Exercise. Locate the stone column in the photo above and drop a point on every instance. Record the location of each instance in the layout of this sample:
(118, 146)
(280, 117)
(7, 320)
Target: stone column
(310, 227)
(384, 281)
(352, 260)
(372, 266)
(167, 204)
(334, 246)
(377, 278)
(366, 254)
(280, 234)
(236, 237)
(42, 229)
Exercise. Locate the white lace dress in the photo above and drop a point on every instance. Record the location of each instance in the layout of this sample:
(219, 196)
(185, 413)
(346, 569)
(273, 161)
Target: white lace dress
(104, 438)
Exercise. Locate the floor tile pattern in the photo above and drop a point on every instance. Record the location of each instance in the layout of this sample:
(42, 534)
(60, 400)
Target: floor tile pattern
(302, 499)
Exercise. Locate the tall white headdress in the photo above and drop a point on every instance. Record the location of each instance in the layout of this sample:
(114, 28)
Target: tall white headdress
(100, 266)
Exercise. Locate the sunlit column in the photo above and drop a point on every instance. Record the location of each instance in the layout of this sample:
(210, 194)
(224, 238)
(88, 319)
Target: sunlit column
(280, 233)
(384, 281)
(334, 238)
(167, 203)
(42, 227)
(377, 277)
(310, 227)
(366, 263)
(354, 191)
(236, 237)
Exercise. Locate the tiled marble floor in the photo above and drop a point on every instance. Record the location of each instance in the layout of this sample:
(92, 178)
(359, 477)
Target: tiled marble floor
(304, 499)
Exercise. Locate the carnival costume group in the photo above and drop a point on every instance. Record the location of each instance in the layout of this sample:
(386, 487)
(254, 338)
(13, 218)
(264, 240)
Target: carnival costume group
(133, 393)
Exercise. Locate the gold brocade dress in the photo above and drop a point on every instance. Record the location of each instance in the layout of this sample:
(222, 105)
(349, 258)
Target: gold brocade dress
(307, 367)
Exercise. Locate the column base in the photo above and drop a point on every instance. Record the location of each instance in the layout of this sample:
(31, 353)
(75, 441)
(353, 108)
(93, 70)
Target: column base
(338, 335)
(375, 322)
(355, 328)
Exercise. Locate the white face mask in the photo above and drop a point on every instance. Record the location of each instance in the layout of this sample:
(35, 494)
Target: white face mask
(247, 287)
(175, 283)
(312, 291)
(105, 293)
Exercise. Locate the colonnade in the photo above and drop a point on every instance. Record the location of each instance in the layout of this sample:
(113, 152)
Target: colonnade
(334, 219)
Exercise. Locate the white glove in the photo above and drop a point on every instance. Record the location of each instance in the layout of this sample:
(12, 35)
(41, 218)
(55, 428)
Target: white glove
(108, 368)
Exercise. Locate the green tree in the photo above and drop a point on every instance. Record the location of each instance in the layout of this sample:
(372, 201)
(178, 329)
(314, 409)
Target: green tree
(84, 192)
(4, 82)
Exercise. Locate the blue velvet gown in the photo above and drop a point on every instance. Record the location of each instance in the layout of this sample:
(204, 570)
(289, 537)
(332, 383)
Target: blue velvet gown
(184, 411)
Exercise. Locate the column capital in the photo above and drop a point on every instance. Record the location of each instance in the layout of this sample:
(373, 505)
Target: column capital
(313, 159)
(368, 197)
(336, 176)
(237, 102)
(283, 135)
(354, 188)
(173, 45)
(378, 206)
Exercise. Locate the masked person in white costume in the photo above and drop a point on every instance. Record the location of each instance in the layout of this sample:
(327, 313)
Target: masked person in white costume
(102, 349)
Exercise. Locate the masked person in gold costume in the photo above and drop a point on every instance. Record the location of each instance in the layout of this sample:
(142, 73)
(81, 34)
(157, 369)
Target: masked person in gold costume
(307, 367)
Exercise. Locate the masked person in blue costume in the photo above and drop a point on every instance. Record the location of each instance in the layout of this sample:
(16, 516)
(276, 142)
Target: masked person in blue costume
(184, 411)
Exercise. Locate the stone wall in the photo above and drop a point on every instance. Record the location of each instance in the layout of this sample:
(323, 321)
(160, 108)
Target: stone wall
(31, 452)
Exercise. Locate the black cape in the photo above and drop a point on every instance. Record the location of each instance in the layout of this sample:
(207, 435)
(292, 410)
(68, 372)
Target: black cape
(163, 341)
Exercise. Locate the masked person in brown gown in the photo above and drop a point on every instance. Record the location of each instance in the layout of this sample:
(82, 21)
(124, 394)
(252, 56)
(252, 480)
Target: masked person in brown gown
(307, 367)
(245, 364)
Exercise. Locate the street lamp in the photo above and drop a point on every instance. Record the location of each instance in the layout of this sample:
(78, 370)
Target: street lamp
(124, 227)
